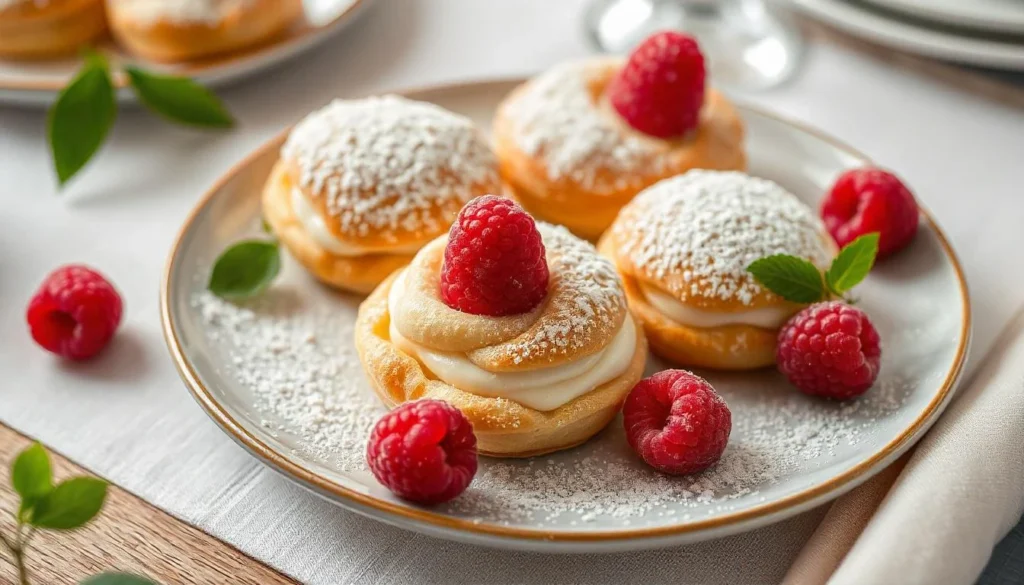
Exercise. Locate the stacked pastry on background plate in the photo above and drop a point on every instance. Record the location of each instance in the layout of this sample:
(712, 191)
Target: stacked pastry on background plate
(159, 30)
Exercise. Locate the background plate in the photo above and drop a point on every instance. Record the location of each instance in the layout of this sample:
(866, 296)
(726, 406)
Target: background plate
(915, 37)
(300, 402)
(1005, 16)
(38, 82)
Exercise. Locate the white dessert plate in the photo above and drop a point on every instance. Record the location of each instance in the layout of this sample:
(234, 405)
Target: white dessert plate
(39, 82)
(916, 37)
(1005, 16)
(280, 376)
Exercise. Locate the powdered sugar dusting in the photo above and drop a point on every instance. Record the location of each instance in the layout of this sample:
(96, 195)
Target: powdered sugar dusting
(293, 350)
(708, 226)
(209, 12)
(597, 292)
(557, 118)
(390, 164)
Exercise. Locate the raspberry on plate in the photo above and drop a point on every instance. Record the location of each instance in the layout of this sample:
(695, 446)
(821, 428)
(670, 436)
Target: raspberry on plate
(423, 451)
(74, 313)
(660, 89)
(494, 263)
(869, 200)
(830, 349)
(676, 422)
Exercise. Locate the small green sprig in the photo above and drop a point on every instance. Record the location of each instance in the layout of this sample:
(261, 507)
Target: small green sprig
(80, 120)
(797, 280)
(246, 268)
(67, 505)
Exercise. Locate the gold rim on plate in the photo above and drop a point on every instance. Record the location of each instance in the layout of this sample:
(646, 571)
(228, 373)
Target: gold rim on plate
(796, 501)
(290, 38)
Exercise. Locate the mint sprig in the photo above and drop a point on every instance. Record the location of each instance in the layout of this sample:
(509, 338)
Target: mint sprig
(67, 505)
(797, 280)
(245, 269)
(83, 114)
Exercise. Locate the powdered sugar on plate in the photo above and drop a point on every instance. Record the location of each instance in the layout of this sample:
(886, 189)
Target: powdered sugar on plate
(293, 350)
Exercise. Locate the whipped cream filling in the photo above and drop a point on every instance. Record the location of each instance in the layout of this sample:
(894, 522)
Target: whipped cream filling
(542, 389)
(765, 317)
(316, 228)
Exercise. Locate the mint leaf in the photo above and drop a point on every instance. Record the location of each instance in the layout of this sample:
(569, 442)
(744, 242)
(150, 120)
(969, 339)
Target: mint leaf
(78, 122)
(179, 99)
(792, 278)
(31, 475)
(265, 226)
(853, 263)
(70, 505)
(245, 269)
(117, 579)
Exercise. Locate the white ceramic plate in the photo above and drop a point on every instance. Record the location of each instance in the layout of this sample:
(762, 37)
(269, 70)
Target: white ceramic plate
(940, 43)
(1006, 16)
(280, 376)
(38, 82)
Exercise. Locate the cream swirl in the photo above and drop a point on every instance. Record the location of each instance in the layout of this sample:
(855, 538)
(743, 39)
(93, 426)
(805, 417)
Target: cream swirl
(764, 317)
(542, 389)
(316, 228)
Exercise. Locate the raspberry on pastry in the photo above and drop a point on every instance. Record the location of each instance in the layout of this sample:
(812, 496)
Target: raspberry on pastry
(683, 247)
(185, 30)
(580, 140)
(361, 185)
(660, 89)
(676, 422)
(830, 349)
(869, 200)
(533, 377)
(494, 262)
(30, 29)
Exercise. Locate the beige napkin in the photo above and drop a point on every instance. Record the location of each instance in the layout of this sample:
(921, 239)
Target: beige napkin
(935, 520)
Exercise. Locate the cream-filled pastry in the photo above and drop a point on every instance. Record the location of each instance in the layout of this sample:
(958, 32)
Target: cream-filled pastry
(184, 30)
(361, 185)
(572, 159)
(683, 247)
(38, 29)
(530, 382)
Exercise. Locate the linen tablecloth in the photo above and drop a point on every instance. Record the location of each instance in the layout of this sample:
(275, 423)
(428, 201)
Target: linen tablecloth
(128, 418)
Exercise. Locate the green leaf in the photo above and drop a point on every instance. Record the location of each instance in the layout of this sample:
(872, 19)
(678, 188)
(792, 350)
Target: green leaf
(792, 278)
(853, 263)
(245, 269)
(31, 475)
(179, 99)
(70, 505)
(117, 579)
(265, 226)
(78, 122)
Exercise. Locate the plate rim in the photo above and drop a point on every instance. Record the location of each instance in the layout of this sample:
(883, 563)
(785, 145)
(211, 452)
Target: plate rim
(396, 513)
(920, 38)
(943, 17)
(214, 65)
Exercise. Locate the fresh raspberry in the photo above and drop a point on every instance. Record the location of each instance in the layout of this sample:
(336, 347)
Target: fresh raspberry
(661, 88)
(869, 200)
(676, 422)
(494, 263)
(423, 451)
(74, 313)
(830, 349)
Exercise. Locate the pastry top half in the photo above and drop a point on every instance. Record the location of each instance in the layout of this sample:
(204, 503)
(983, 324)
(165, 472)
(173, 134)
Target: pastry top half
(580, 336)
(573, 138)
(384, 174)
(210, 13)
(688, 240)
(19, 9)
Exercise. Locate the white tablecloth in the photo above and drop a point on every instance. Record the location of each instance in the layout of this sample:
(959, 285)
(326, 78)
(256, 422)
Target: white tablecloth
(127, 416)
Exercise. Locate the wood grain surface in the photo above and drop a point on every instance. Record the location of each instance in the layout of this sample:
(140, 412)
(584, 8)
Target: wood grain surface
(129, 535)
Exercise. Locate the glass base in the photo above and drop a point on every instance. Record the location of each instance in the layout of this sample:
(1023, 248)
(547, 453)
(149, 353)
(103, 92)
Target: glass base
(746, 46)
